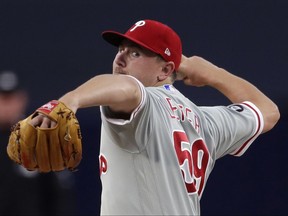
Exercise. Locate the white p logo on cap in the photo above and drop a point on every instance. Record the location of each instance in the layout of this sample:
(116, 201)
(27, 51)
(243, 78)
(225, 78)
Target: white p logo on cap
(138, 24)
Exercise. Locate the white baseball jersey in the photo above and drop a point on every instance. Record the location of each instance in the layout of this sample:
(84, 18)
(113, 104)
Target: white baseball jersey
(158, 161)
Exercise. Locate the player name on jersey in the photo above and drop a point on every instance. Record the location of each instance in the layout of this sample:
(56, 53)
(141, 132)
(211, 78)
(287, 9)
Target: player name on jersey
(182, 113)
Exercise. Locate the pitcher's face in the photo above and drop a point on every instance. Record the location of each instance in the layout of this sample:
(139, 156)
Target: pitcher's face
(138, 62)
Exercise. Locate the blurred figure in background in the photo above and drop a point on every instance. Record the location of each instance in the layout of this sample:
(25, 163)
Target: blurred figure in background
(44, 194)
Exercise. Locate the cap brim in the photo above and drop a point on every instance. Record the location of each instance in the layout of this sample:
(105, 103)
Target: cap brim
(112, 37)
(115, 38)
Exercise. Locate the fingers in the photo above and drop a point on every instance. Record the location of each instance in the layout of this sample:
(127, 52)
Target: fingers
(36, 121)
(53, 124)
(180, 76)
(183, 58)
(182, 70)
(188, 81)
(42, 121)
(46, 123)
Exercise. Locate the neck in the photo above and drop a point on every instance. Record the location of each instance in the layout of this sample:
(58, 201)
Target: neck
(168, 80)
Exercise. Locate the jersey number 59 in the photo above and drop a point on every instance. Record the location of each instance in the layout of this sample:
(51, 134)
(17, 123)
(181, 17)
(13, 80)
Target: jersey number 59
(193, 160)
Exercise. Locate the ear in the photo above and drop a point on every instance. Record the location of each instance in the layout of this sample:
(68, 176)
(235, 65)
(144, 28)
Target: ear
(167, 70)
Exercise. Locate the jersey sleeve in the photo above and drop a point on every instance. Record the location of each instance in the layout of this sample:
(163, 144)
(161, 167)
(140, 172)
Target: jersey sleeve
(233, 128)
(122, 132)
(117, 121)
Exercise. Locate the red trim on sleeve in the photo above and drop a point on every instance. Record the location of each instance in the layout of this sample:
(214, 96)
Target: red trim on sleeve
(249, 141)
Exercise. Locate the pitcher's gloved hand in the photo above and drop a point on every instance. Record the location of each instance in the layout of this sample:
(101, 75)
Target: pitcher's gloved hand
(47, 149)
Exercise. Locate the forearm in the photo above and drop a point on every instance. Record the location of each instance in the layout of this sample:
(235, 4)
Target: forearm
(238, 90)
(197, 71)
(119, 92)
(235, 88)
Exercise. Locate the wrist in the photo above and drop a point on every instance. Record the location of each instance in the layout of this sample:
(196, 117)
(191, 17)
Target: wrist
(69, 101)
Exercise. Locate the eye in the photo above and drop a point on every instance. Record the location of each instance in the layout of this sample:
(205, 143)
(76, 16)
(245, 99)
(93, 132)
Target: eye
(120, 49)
(135, 53)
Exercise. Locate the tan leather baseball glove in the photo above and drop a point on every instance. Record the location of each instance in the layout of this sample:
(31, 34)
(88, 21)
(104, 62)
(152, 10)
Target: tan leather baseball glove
(47, 149)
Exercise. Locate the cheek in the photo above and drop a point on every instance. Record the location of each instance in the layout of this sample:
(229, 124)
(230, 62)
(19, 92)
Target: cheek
(114, 64)
(116, 68)
(147, 77)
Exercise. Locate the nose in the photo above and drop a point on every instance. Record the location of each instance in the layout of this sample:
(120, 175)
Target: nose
(120, 58)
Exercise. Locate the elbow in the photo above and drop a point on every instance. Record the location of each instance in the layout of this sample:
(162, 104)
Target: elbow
(130, 90)
(128, 96)
(271, 118)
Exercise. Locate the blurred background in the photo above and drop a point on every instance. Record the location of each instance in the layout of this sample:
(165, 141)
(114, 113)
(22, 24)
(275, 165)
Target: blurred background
(54, 46)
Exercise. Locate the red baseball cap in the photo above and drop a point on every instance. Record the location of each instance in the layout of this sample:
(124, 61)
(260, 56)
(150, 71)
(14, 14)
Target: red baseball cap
(154, 36)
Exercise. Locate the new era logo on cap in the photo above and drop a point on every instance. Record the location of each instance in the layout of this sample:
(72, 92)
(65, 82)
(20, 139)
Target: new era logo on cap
(167, 52)
(152, 35)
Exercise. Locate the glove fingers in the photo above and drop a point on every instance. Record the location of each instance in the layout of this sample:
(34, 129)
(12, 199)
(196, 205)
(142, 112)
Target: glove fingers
(13, 148)
(55, 152)
(49, 153)
(42, 155)
(72, 144)
(28, 148)
(75, 156)
(18, 149)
